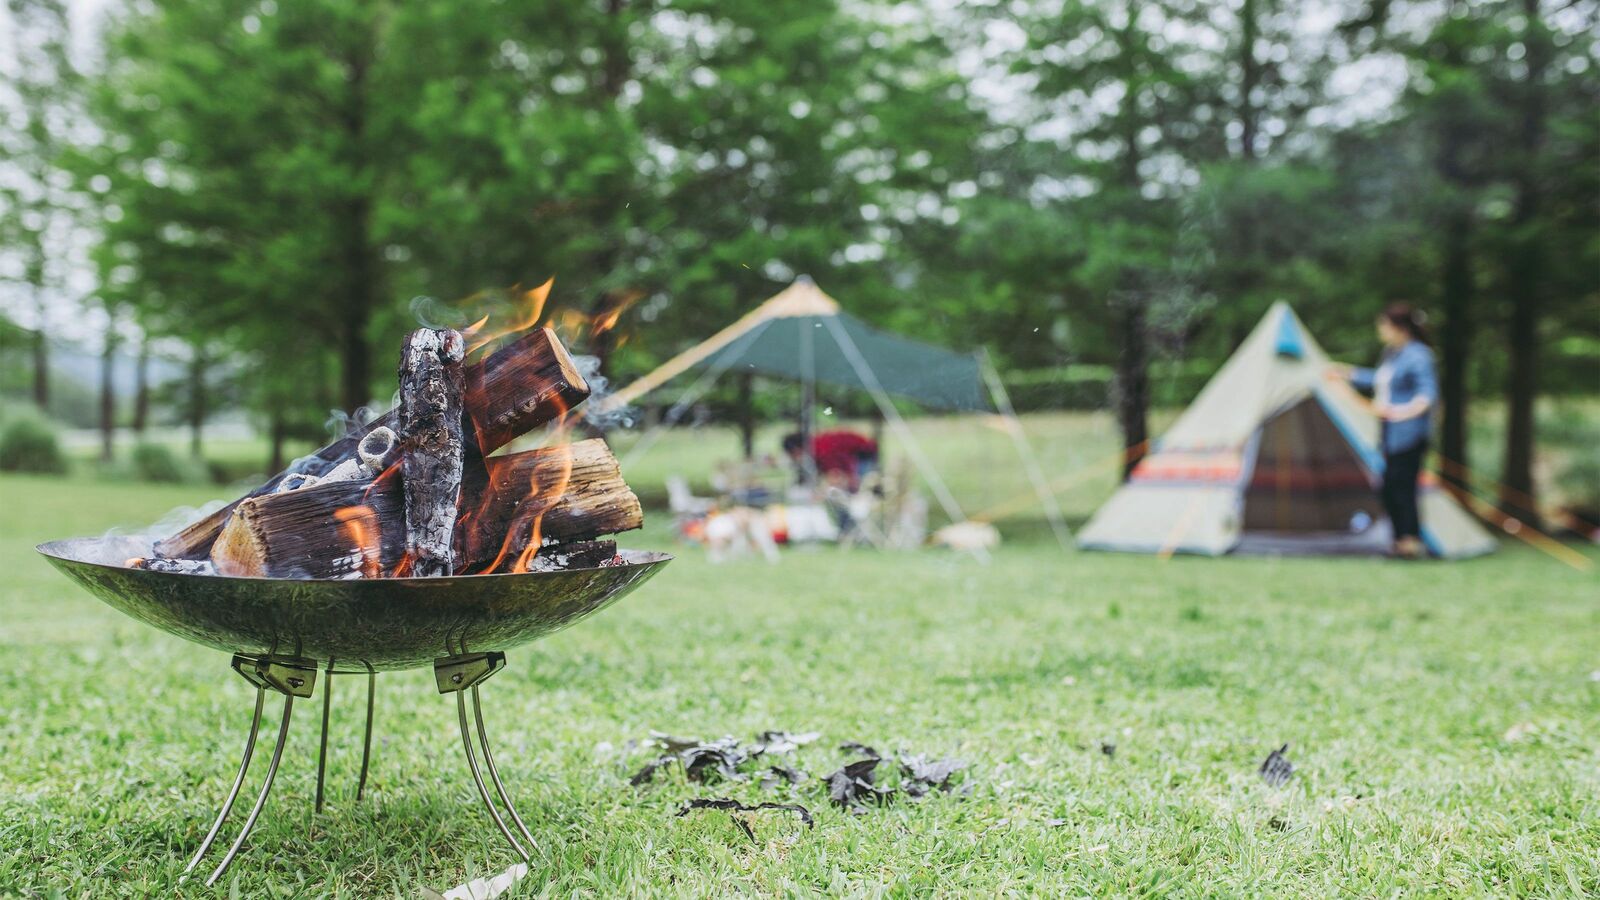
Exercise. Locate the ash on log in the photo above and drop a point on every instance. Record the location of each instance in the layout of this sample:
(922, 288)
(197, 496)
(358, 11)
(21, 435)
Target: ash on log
(431, 385)
(575, 555)
(357, 530)
(173, 566)
(516, 389)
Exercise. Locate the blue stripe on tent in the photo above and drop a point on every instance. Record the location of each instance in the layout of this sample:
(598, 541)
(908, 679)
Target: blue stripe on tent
(1431, 541)
(1370, 457)
(1289, 342)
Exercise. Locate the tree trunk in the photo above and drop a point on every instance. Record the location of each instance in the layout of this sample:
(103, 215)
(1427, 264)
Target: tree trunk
(1132, 379)
(108, 399)
(197, 401)
(360, 271)
(141, 388)
(1455, 346)
(1525, 273)
(612, 75)
(1456, 284)
(747, 417)
(355, 356)
(1249, 77)
(41, 369)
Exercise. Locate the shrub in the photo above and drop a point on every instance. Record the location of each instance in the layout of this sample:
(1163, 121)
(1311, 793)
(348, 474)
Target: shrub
(28, 444)
(155, 462)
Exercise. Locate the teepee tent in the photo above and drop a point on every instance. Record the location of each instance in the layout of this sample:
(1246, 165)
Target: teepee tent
(802, 334)
(1271, 458)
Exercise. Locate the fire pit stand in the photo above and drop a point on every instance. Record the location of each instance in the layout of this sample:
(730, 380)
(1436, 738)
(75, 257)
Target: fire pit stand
(296, 677)
(356, 627)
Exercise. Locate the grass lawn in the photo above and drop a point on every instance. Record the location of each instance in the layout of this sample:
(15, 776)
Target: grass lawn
(1443, 719)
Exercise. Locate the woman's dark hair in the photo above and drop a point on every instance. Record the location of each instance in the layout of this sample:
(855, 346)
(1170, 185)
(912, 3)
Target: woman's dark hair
(1409, 319)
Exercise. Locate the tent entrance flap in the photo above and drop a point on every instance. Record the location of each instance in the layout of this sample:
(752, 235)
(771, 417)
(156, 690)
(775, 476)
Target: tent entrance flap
(1307, 479)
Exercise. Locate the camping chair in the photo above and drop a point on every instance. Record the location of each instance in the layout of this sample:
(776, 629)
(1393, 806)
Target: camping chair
(682, 501)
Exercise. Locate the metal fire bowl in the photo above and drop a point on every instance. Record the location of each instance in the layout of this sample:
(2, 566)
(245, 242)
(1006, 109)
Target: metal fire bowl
(357, 625)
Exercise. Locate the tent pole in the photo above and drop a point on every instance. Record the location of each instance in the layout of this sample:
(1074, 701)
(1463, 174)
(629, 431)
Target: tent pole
(869, 380)
(808, 403)
(747, 417)
(1030, 461)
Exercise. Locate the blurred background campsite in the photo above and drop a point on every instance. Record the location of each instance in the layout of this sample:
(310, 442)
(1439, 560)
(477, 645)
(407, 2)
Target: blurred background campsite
(218, 218)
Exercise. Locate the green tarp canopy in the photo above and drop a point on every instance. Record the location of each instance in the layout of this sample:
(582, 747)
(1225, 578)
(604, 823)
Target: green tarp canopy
(802, 334)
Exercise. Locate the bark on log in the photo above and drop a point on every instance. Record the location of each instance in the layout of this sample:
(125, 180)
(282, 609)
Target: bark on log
(431, 385)
(357, 530)
(516, 389)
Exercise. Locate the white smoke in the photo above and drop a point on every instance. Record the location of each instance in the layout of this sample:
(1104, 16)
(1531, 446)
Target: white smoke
(596, 411)
(431, 313)
(119, 545)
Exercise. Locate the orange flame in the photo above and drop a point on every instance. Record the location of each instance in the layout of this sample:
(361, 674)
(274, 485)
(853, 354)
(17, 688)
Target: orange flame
(534, 505)
(528, 519)
(533, 301)
(550, 498)
(360, 525)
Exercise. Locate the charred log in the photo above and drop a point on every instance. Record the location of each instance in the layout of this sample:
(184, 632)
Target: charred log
(431, 385)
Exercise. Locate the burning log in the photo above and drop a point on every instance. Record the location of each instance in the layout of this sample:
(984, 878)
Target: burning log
(514, 510)
(431, 385)
(517, 388)
(569, 493)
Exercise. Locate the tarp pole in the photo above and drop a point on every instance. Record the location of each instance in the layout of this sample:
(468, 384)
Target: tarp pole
(808, 403)
(747, 417)
(1030, 461)
(869, 380)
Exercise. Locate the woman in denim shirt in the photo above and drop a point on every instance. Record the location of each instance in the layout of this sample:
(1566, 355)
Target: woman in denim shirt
(1405, 390)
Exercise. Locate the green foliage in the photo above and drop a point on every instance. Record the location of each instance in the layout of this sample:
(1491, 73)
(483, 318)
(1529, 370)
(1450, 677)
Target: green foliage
(277, 181)
(157, 462)
(28, 444)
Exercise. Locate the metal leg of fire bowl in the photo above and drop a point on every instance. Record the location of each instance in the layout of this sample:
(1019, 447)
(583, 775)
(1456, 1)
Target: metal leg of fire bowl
(322, 745)
(292, 678)
(238, 782)
(366, 740)
(457, 675)
(494, 772)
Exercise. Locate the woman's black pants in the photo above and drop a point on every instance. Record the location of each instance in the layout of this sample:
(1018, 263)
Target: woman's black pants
(1400, 472)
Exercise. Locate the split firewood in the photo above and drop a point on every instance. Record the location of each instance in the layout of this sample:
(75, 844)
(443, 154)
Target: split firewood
(521, 387)
(569, 493)
(430, 418)
(357, 529)
(517, 388)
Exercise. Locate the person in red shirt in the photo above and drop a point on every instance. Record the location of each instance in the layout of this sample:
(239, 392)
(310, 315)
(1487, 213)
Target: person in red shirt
(841, 456)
